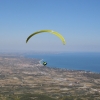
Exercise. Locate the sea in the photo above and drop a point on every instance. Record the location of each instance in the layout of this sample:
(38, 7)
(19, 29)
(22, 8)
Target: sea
(70, 61)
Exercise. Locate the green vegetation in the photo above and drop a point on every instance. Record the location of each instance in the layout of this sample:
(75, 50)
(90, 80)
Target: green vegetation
(83, 97)
(26, 97)
(29, 96)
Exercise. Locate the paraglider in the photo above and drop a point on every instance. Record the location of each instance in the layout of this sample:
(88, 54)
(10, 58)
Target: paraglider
(50, 31)
(44, 63)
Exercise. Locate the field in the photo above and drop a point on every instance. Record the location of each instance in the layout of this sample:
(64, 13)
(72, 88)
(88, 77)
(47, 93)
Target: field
(25, 79)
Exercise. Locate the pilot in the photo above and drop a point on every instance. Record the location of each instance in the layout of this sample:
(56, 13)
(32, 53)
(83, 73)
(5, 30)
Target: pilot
(44, 63)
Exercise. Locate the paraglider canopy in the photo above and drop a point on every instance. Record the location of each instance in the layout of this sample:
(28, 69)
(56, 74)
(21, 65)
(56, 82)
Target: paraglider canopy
(50, 31)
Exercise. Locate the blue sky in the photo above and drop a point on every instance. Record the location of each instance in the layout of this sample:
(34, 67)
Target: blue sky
(77, 20)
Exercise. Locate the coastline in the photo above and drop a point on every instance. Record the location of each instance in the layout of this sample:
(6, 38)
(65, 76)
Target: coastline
(86, 62)
(71, 70)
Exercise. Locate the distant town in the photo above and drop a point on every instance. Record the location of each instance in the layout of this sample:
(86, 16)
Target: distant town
(20, 75)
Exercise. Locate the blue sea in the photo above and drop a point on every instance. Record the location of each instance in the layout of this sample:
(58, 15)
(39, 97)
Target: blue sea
(71, 61)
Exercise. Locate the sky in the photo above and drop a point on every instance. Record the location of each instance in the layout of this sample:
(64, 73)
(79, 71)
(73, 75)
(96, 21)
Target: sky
(78, 21)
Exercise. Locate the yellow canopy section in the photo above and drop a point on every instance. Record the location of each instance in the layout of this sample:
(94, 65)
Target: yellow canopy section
(49, 31)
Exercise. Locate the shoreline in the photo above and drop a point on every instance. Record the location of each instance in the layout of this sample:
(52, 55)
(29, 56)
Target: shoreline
(39, 61)
(71, 61)
(65, 69)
